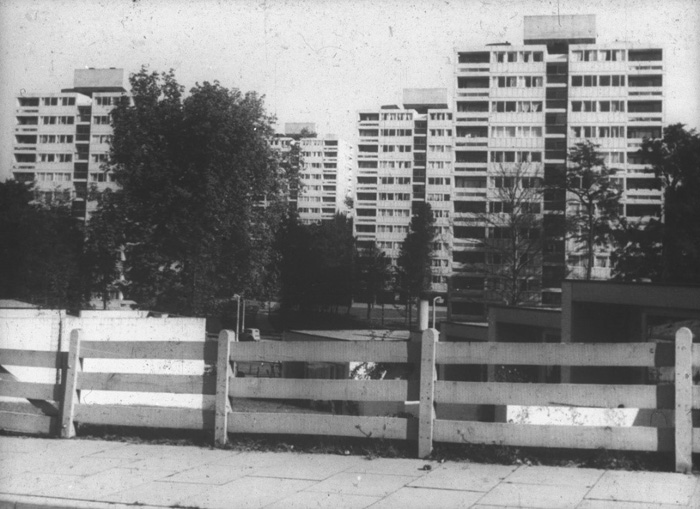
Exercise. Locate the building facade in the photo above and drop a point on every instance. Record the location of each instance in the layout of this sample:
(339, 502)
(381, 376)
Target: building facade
(404, 156)
(61, 139)
(515, 112)
(325, 171)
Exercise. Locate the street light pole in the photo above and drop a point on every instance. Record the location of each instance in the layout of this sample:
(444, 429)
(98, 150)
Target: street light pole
(238, 316)
(436, 300)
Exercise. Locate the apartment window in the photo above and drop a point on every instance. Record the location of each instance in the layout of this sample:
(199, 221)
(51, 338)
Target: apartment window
(440, 148)
(50, 101)
(68, 101)
(473, 82)
(100, 119)
(444, 132)
(369, 117)
(436, 197)
(441, 116)
(655, 80)
(99, 158)
(645, 55)
(439, 181)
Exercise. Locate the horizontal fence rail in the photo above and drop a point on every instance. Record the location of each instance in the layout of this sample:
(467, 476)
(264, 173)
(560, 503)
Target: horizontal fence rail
(52, 408)
(38, 412)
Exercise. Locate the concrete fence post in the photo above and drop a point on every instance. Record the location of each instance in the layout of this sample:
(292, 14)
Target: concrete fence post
(426, 409)
(684, 400)
(71, 394)
(223, 375)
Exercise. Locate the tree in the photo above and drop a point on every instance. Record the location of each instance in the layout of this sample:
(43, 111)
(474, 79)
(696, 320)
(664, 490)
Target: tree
(414, 272)
(317, 264)
(593, 201)
(513, 246)
(40, 252)
(191, 173)
(675, 159)
(373, 275)
(638, 253)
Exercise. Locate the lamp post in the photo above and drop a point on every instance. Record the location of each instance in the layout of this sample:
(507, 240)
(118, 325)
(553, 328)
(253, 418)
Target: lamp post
(238, 316)
(436, 300)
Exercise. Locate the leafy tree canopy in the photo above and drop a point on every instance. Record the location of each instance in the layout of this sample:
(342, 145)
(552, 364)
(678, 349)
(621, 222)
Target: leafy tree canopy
(667, 250)
(40, 252)
(193, 171)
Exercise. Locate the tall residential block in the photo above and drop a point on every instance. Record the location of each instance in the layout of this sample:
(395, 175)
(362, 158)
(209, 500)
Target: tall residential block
(326, 172)
(515, 110)
(531, 103)
(61, 139)
(404, 156)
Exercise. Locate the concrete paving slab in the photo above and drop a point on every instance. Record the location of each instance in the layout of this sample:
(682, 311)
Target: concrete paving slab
(208, 474)
(32, 502)
(555, 476)
(247, 492)
(420, 498)
(609, 504)
(645, 487)
(465, 477)
(395, 466)
(72, 466)
(95, 487)
(308, 499)
(313, 467)
(530, 495)
(175, 463)
(353, 483)
(157, 493)
(22, 444)
(30, 483)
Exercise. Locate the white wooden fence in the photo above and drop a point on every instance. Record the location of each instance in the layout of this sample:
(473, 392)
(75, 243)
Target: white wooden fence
(51, 404)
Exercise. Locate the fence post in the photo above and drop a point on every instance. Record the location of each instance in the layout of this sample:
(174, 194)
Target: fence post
(223, 373)
(71, 394)
(684, 400)
(426, 409)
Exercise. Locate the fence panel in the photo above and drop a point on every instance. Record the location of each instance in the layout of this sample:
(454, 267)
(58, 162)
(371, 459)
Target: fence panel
(559, 436)
(557, 354)
(397, 428)
(326, 351)
(347, 390)
(38, 413)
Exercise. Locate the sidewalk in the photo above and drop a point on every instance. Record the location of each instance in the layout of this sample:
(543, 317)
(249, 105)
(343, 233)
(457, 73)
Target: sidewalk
(37, 472)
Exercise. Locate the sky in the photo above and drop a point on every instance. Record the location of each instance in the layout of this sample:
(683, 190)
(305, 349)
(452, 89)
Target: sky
(313, 60)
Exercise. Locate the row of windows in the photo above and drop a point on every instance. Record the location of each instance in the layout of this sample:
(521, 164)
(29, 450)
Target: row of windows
(54, 101)
(516, 106)
(395, 164)
(603, 106)
(598, 131)
(435, 197)
(440, 148)
(497, 207)
(397, 132)
(439, 181)
(440, 132)
(100, 119)
(394, 213)
(516, 132)
(55, 158)
(388, 228)
(395, 196)
(395, 180)
(396, 148)
(439, 165)
(441, 116)
(511, 182)
(516, 157)
(52, 177)
(62, 120)
(594, 55)
(56, 138)
(615, 80)
(100, 158)
(518, 56)
(517, 81)
(106, 100)
(397, 116)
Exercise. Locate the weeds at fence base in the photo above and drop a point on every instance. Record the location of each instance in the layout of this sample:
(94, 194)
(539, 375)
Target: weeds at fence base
(576, 458)
(377, 448)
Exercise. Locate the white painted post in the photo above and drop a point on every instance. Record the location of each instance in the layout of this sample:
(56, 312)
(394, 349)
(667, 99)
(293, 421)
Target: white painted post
(223, 375)
(423, 314)
(426, 410)
(70, 393)
(684, 400)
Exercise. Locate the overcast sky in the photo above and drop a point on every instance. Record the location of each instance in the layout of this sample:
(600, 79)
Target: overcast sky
(315, 61)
